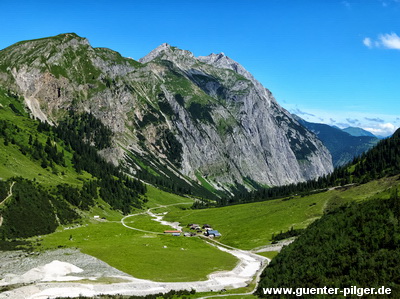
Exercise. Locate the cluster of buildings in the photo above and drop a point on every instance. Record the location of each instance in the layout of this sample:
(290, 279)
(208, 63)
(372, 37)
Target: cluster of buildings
(196, 229)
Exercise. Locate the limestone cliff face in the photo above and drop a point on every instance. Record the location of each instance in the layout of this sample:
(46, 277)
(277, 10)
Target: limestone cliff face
(201, 118)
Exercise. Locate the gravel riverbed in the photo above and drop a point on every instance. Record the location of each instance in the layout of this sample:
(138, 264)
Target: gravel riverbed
(19, 262)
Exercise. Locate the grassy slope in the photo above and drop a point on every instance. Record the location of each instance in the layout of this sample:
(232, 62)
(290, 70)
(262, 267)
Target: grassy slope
(248, 226)
(14, 163)
(147, 256)
(357, 245)
(158, 197)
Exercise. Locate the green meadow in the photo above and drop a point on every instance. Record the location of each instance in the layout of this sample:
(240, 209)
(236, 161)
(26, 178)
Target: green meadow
(157, 198)
(146, 256)
(13, 163)
(252, 225)
(145, 222)
(247, 226)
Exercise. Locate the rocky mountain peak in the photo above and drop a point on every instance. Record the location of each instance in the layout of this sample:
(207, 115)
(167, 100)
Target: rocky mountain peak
(170, 53)
(222, 61)
(64, 40)
(155, 53)
(70, 36)
(186, 61)
(216, 57)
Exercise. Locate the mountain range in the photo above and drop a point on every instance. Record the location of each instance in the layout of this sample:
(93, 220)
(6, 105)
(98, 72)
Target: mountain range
(355, 131)
(195, 120)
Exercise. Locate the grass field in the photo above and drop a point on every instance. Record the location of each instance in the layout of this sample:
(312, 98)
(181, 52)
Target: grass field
(251, 225)
(147, 256)
(158, 197)
(13, 163)
(146, 223)
(248, 226)
(364, 191)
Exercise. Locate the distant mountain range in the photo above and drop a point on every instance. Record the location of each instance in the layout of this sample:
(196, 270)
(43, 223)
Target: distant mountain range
(345, 144)
(355, 131)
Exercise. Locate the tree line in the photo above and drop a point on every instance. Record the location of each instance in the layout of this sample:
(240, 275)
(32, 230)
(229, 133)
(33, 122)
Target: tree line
(85, 135)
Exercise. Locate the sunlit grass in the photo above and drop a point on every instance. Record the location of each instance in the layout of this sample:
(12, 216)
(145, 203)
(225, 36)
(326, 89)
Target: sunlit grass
(247, 226)
(146, 256)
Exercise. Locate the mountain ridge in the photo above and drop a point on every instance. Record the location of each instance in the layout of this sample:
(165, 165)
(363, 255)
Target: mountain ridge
(192, 117)
(343, 146)
(355, 131)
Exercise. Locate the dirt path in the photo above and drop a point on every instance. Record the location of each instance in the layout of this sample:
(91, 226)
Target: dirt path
(9, 193)
(156, 218)
(4, 200)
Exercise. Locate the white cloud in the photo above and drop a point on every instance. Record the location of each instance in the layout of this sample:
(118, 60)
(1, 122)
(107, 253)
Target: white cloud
(377, 123)
(367, 42)
(382, 129)
(390, 41)
(387, 40)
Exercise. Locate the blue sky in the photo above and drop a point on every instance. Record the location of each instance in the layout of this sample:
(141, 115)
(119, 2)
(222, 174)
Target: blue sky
(335, 62)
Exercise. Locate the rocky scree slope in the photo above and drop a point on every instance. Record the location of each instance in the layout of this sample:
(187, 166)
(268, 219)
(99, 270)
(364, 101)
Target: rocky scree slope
(202, 119)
